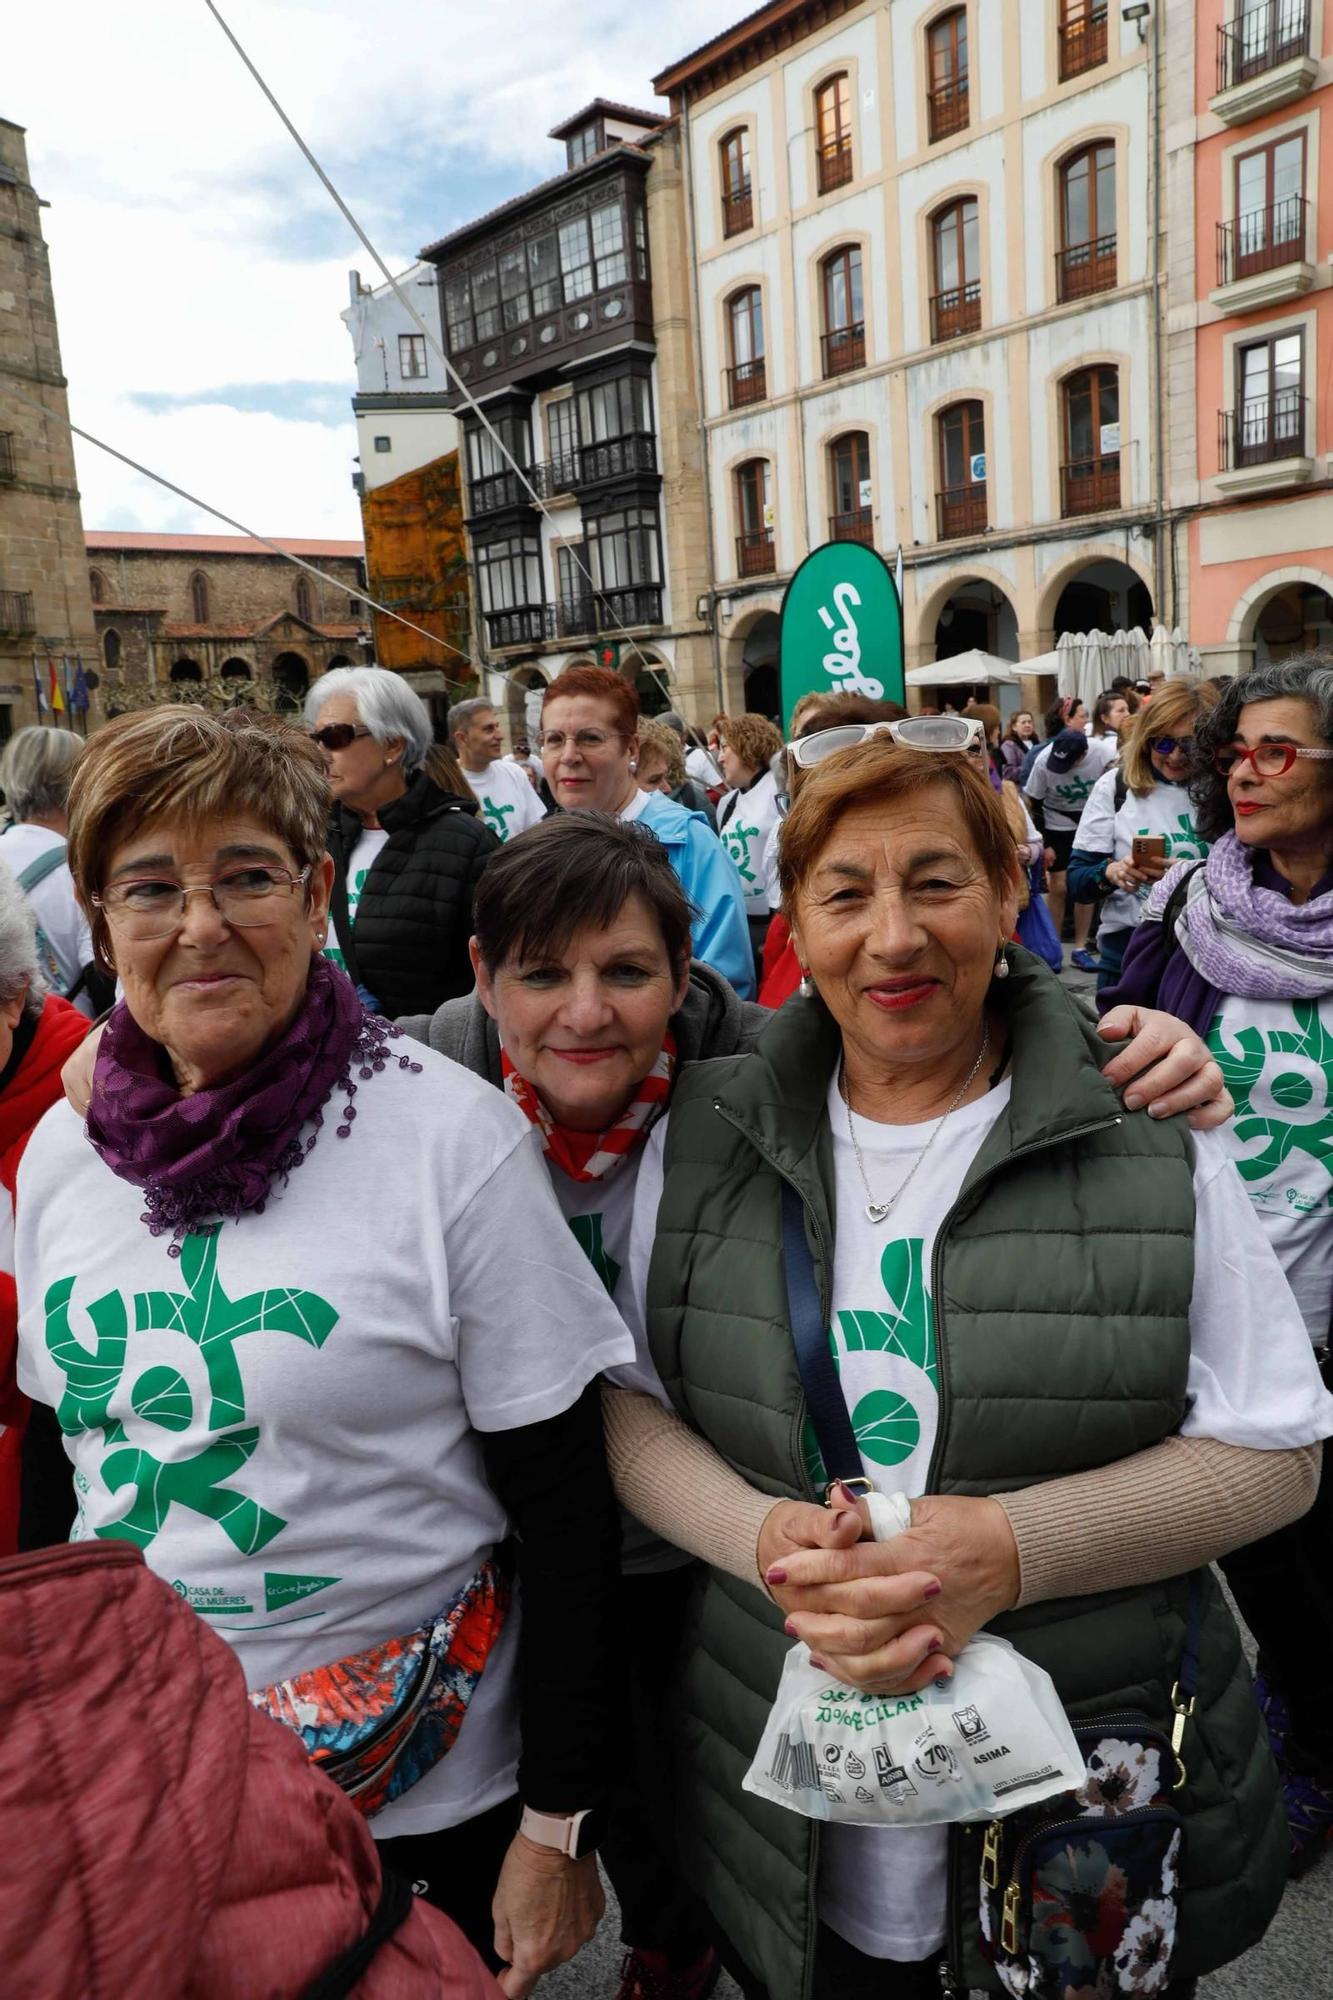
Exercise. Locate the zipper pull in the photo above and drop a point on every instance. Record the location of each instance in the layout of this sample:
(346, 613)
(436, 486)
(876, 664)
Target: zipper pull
(1009, 1921)
(990, 1856)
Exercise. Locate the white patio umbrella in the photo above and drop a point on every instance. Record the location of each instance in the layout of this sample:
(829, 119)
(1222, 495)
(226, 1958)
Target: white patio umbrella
(964, 670)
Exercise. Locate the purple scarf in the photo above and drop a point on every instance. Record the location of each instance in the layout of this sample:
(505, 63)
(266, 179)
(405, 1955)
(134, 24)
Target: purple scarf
(217, 1153)
(1249, 940)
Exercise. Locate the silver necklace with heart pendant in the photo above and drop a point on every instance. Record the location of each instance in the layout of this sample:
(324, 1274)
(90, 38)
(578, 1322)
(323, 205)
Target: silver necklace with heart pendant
(876, 1211)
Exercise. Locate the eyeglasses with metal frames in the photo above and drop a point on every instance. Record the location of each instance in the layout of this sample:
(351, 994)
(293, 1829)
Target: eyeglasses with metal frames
(154, 906)
(587, 741)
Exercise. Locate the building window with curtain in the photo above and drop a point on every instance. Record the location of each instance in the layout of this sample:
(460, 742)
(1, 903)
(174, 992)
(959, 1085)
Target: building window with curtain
(615, 428)
(961, 503)
(1268, 228)
(737, 189)
(1086, 260)
(1082, 36)
(509, 584)
(947, 76)
(624, 556)
(199, 598)
(852, 519)
(844, 337)
(747, 376)
(1268, 422)
(492, 482)
(754, 519)
(833, 132)
(412, 356)
(1090, 474)
(955, 307)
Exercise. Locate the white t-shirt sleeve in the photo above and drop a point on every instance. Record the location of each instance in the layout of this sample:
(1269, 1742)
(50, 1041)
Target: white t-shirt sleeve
(632, 1292)
(1252, 1379)
(532, 1321)
(1038, 783)
(772, 853)
(530, 807)
(1096, 827)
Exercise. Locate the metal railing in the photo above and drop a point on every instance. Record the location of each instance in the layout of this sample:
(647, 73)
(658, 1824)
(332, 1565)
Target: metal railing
(1085, 268)
(947, 106)
(1261, 431)
(612, 458)
(1257, 40)
(960, 510)
(521, 625)
(1090, 485)
(835, 164)
(754, 553)
(8, 466)
(628, 605)
(496, 491)
(747, 382)
(856, 526)
(1082, 42)
(1261, 240)
(557, 475)
(17, 612)
(737, 210)
(844, 349)
(955, 312)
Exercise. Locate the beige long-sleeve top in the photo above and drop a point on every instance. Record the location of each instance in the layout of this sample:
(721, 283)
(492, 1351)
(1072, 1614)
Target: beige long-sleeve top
(1182, 1503)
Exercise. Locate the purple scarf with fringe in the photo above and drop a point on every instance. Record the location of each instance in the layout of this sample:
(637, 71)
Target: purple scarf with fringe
(216, 1154)
(1245, 939)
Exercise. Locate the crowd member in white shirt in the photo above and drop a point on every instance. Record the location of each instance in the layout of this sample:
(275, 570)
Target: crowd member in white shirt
(698, 764)
(508, 802)
(749, 810)
(35, 774)
(1057, 789)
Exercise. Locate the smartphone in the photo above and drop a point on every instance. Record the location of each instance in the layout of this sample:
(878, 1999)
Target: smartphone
(1148, 847)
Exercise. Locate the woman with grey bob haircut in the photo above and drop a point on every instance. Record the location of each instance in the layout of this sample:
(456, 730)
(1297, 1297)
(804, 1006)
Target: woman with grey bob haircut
(407, 853)
(20, 970)
(35, 773)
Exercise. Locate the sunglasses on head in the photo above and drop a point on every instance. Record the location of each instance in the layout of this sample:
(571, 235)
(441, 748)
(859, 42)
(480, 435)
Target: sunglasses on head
(337, 735)
(917, 732)
(1171, 746)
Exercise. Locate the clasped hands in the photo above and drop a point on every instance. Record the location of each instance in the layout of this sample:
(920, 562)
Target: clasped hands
(888, 1617)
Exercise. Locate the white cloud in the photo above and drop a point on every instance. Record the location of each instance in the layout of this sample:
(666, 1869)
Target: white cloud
(192, 247)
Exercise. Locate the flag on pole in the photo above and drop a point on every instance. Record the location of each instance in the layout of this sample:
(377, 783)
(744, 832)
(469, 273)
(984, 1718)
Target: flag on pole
(898, 573)
(57, 698)
(39, 692)
(79, 698)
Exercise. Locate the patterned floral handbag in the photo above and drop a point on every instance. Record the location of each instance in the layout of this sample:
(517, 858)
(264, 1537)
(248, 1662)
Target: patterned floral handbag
(379, 1720)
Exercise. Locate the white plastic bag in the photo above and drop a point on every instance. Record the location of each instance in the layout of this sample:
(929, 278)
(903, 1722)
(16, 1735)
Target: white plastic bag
(978, 1746)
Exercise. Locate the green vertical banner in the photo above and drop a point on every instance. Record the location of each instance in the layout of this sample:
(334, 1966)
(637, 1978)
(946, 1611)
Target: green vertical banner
(842, 628)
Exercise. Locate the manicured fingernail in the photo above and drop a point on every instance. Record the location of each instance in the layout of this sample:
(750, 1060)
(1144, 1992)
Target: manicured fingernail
(775, 1575)
(932, 1590)
(848, 1499)
(790, 1630)
(818, 1663)
(1133, 1101)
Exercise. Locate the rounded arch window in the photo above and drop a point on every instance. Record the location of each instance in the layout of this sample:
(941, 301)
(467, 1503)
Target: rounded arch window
(111, 648)
(97, 586)
(199, 597)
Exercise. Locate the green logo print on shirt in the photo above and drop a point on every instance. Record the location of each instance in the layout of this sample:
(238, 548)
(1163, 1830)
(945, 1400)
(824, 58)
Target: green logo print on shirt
(354, 889)
(886, 1422)
(494, 815)
(1246, 1071)
(161, 1395)
(736, 840)
(588, 1235)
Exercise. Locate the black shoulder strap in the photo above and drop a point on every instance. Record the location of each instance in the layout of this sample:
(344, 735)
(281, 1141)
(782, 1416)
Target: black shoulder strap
(1121, 788)
(731, 806)
(1175, 902)
(345, 1974)
(819, 1378)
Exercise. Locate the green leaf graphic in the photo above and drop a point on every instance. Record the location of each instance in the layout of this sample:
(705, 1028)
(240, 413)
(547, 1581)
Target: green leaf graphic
(162, 1395)
(887, 1427)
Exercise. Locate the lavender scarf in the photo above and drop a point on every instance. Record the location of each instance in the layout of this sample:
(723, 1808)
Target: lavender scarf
(217, 1153)
(1248, 940)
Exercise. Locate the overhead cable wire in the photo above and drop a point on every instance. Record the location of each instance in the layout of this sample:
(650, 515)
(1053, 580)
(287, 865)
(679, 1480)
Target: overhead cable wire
(405, 302)
(348, 589)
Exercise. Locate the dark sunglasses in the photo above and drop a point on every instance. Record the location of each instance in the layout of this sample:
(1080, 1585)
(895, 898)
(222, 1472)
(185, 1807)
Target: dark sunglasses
(1171, 746)
(337, 735)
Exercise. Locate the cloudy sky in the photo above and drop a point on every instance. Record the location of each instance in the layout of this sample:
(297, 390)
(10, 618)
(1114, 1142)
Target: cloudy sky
(199, 266)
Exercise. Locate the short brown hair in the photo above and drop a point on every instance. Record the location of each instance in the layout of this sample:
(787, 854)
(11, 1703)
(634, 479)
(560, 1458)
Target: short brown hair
(752, 737)
(567, 873)
(1173, 711)
(660, 736)
(192, 765)
(882, 771)
(599, 684)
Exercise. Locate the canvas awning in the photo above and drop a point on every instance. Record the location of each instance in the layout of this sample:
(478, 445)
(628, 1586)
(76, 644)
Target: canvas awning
(964, 670)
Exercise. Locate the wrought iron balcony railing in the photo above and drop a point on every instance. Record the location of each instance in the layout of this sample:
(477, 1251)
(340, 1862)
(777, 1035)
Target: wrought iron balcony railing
(1085, 268)
(17, 612)
(1257, 39)
(835, 164)
(1082, 42)
(961, 510)
(1261, 431)
(1263, 239)
(955, 312)
(1090, 485)
(754, 553)
(856, 526)
(948, 108)
(747, 382)
(737, 210)
(844, 349)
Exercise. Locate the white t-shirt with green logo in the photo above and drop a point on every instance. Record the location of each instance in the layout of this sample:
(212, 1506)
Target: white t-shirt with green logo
(286, 1418)
(508, 802)
(364, 856)
(1165, 810)
(1065, 793)
(1277, 1059)
(744, 822)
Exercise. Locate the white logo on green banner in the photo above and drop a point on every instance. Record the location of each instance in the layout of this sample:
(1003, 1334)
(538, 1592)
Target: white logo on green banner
(842, 628)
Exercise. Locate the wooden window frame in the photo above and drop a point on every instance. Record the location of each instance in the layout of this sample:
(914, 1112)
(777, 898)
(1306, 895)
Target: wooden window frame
(961, 510)
(954, 310)
(948, 100)
(733, 153)
(1270, 254)
(855, 523)
(412, 347)
(1089, 485)
(752, 482)
(833, 135)
(1091, 266)
(843, 346)
(1082, 31)
(747, 378)
(1278, 441)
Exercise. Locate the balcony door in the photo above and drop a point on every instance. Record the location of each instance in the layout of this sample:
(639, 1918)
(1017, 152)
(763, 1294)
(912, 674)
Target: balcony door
(1272, 400)
(737, 200)
(956, 246)
(833, 122)
(1090, 476)
(849, 480)
(1270, 206)
(745, 332)
(947, 86)
(754, 540)
(962, 498)
(1269, 32)
(844, 312)
(1088, 222)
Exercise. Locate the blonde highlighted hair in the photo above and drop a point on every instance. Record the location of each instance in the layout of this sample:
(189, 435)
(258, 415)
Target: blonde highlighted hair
(1173, 711)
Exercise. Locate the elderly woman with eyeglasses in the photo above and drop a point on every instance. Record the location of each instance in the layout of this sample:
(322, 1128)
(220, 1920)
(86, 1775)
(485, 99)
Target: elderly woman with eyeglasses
(406, 853)
(1241, 946)
(320, 1342)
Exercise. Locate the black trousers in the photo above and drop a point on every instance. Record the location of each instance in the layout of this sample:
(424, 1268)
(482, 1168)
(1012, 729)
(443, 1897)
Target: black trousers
(1284, 1587)
(657, 1910)
(458, 1869)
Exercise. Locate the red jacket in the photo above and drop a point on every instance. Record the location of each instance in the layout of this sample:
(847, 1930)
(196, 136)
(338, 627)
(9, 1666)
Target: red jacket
(33, 1089)
(162, 1840)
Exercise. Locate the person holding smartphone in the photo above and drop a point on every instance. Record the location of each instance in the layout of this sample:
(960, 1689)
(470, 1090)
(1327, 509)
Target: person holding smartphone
(1138, 820)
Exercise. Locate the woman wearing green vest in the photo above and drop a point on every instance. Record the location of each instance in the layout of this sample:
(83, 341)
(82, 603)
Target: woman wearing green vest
(1045, 1319)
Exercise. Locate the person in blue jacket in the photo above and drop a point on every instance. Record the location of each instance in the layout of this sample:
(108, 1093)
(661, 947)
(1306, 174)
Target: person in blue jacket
(590, 754)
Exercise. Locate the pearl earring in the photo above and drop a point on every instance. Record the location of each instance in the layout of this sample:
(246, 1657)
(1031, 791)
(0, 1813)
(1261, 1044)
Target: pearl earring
(1001, 964)
(807, 986)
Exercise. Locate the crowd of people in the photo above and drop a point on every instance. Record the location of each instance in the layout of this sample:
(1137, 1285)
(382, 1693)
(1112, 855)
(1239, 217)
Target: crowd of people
(413, 1472)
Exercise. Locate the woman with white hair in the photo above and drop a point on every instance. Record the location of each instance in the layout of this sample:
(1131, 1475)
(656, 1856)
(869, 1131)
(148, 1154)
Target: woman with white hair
(407, 855)
(35, 773)
(38, 1032)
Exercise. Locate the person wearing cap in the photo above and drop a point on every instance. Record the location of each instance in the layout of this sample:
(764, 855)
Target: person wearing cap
(1057, 789)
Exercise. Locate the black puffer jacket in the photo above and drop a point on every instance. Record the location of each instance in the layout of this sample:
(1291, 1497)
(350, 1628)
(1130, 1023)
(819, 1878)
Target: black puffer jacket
(408, 945)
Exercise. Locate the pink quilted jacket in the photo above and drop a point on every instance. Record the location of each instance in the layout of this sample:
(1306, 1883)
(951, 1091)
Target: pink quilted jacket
(159, 1839)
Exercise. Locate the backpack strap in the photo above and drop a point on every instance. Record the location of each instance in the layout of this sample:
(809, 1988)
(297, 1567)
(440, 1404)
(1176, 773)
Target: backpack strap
(343, 1976)
(38, 870)
(1121, 788)
(1175, 902)
(824, 1400)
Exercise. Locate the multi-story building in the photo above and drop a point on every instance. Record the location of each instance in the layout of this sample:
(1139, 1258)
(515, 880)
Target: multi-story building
(553, 306)
(214, 616)
(410, 488)
(1249, 93)
(925, 285)
(46, 614)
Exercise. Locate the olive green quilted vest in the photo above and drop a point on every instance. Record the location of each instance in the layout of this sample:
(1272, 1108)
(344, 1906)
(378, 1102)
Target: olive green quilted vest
(1061, 1285)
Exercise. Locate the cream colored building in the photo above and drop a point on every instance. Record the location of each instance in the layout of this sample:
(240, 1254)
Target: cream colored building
(924, 289)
